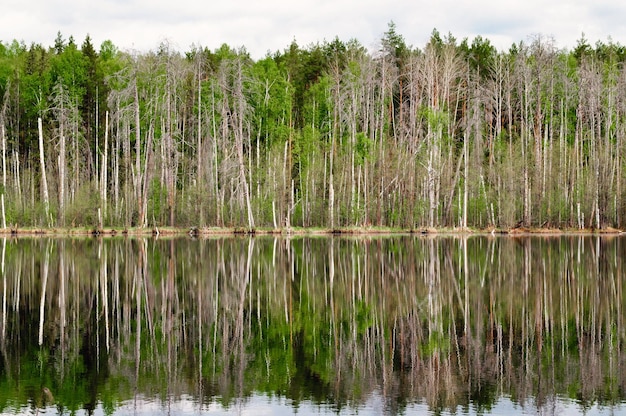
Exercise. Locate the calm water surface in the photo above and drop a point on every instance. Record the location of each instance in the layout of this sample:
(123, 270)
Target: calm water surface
(313, 325)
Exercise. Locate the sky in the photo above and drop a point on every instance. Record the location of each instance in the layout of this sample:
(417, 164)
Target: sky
(267, 26)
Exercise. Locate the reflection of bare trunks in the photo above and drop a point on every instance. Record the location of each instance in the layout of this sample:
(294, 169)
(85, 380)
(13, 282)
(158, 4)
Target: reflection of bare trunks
(44, 290)
(448, 321)
(4, 294)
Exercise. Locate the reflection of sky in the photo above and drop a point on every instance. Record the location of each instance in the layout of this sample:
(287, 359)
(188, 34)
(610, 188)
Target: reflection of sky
(263, 405)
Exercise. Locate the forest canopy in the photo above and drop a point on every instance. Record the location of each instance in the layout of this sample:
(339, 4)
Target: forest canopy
(452, 134)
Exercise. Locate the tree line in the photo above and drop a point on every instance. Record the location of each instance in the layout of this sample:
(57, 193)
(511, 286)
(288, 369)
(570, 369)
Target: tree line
(453, 134)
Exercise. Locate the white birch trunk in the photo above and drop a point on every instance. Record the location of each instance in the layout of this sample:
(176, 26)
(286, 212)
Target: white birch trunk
(44, 180)
(62, 168)
(465, 185)
(138, 176)
(4, 156)
(104, 167)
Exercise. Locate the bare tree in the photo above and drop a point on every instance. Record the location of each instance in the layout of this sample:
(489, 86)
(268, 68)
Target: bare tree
(44, 180)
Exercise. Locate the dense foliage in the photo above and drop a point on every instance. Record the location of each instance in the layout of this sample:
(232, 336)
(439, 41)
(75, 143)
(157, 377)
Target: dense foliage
(454, 134)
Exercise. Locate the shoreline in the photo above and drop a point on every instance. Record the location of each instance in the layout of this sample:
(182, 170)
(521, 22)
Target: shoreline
(299, 231)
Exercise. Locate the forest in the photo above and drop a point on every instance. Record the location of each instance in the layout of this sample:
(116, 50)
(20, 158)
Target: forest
(455, 134)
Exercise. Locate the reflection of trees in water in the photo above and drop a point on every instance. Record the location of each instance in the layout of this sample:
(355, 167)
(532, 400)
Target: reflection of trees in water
(448, 321)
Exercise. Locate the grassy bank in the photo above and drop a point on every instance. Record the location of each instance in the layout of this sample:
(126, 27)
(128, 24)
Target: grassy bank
(212, 231)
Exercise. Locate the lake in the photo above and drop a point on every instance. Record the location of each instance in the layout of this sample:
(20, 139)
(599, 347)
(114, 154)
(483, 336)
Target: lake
(372, 325)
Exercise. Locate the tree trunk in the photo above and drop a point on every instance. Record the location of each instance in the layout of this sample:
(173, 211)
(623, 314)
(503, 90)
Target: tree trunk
(199, 164)
(239, 137)
(44, 180)
(465, 182)
(62, 163)
(138, 175)
(4, 156)
(104, 167)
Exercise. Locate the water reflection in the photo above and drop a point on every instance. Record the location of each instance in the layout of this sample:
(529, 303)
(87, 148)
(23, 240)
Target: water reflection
(323, 325)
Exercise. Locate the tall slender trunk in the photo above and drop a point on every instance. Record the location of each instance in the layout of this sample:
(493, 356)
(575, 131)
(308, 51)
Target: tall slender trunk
(116, 169)
(17, 176)
(170, 154)
(466, 179)
(218, 212)
(104, 167)
(138, 176)
(4, 170)
(239, 137)
(143, 208)
(62, 164)
(4, 152)
(44, 180)
(199, 164)
(4, 155)
(3, 137)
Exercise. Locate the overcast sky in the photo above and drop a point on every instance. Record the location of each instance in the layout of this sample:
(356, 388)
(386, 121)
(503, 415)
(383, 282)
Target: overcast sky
(270, 25)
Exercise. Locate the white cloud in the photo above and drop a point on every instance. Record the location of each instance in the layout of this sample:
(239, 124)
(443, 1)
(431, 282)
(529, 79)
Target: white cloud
(271, 25)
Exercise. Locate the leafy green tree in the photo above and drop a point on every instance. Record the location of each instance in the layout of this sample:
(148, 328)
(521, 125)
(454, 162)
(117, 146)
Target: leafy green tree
(272, 99)
(35, 84)
(583, 49)
(69, 68)
(480, 55)
(394, 46)
(59, 44)
(94, 93)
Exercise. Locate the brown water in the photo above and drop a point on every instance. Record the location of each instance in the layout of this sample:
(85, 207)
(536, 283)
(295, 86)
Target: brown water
(313, 325)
